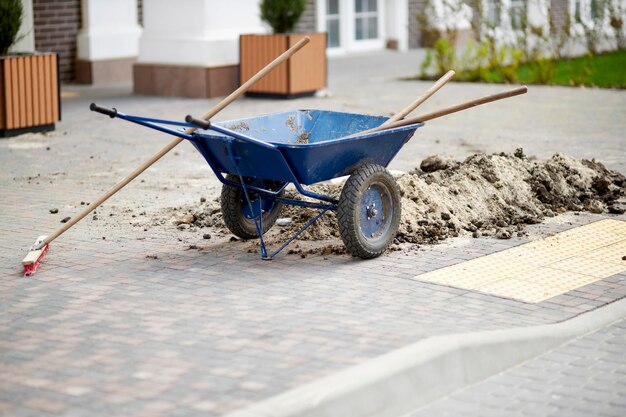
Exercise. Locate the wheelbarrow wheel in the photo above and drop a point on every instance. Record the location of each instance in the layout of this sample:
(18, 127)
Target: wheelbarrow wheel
(369, 211)
(236, 212)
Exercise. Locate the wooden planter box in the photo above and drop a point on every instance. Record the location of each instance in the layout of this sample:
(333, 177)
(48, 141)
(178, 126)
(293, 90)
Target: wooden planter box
(29, 93)
(303, 74)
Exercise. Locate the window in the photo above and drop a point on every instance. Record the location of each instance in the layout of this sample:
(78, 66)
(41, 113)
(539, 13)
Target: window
(588, 12)
(332, 23)
(578, 18)
(493, 10)
(366, 19)
(517, 11)
(597, 10)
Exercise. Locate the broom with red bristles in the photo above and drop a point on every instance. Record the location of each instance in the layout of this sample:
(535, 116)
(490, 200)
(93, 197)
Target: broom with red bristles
(36, 253)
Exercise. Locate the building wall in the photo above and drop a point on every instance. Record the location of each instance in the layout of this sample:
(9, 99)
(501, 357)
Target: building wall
(415, 36)
(308, 21)
(56, 24)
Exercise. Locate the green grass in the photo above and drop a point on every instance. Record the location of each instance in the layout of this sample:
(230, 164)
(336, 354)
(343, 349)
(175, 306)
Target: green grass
(606, 70)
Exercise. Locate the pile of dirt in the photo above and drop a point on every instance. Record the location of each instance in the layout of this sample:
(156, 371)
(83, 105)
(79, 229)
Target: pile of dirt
(497, 194)
(488, 195)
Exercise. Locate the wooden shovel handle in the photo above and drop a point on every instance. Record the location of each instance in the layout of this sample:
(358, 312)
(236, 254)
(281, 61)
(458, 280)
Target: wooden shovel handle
(408, 109)
(458, 107)
(216, 109)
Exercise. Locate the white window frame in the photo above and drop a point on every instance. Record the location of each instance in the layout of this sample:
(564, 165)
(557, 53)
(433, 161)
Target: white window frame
(347, 30)
(367, 15)
(525, 6)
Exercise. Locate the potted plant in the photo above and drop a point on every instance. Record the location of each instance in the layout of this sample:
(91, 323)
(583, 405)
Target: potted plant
(303, 74)
(29, 83)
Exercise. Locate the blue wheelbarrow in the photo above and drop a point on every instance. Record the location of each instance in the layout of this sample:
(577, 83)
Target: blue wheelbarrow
(256, 158)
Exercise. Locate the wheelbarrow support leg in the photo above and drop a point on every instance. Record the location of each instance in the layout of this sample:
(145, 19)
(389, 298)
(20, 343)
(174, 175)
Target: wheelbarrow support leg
(306, 226)
(258, 222)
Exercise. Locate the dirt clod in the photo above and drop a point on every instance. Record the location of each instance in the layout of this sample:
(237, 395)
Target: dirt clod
(616, 209)
(433, 163)
(184, 219)
(503, 234)
(65, 219)
(54, 210)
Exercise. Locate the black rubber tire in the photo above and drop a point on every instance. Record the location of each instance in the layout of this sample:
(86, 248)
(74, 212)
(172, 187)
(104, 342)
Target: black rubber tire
(349, 211)
(232, 203)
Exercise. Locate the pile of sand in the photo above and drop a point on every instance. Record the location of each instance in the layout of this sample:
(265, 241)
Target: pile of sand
(489, 195)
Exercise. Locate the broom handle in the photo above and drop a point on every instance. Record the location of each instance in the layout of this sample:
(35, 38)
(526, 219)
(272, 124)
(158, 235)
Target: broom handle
(220, 106)
(458, 107)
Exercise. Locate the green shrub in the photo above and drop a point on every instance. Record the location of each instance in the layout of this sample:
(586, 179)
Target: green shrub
(445, 55)
(281, 15)
(426, 64)
(511, 59)
(10, 21)
(542, 70)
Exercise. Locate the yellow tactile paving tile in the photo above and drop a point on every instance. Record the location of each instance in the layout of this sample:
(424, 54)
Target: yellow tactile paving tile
(521, 290)
(543, 269)
(593, 267)
(576, 243)
(612, 253)
(556, 278)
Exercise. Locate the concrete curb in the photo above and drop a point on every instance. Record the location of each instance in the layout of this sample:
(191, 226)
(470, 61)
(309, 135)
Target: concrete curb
(401, 381)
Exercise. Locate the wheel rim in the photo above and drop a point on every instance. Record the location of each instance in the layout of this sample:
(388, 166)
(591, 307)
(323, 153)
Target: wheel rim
(376, 212)
(266, 207)
(267, 204)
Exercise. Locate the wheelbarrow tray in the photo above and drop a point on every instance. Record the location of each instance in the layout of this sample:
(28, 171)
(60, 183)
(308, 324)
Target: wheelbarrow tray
(307, 145)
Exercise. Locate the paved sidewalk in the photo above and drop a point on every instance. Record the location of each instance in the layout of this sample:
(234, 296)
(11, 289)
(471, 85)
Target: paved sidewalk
(126, 320)
(586, 377)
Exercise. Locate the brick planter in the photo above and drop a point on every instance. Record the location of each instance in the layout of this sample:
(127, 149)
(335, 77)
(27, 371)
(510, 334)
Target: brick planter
(29, 93)
(303, 74)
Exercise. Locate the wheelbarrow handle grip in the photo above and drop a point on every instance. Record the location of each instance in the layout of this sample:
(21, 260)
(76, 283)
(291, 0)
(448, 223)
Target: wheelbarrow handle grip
(204, 124)
(109, 112)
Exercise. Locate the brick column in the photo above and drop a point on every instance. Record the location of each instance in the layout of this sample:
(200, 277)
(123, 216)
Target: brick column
(108, 41)
(308, 20)
(190, 48)
(559, 11)
(56, 24)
